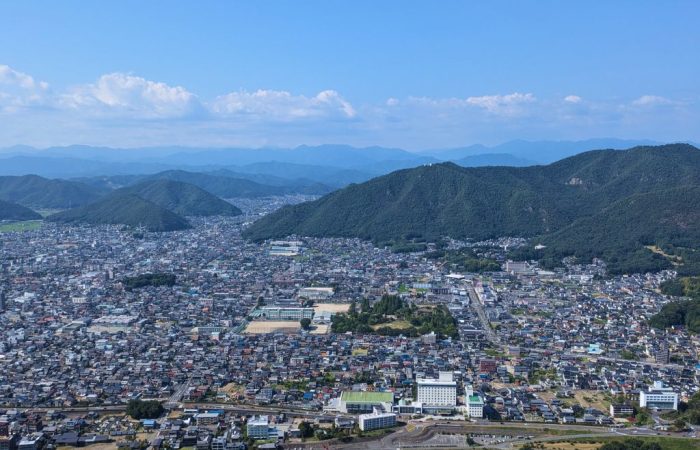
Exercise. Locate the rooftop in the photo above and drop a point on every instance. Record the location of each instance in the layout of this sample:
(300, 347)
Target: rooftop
(367, 397)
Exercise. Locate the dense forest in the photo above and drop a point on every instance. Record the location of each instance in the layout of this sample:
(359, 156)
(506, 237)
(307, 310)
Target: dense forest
(37, 192)
(182, 198)
(680, 312)
(124, 209)
(393, 316)
(621, 206)
(140, 409)
(149, 279)
(13, 211)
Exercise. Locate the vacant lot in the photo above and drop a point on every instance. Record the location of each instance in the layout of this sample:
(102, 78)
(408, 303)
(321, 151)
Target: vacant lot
(320, 329)
(332, 307)
(396, 325)
(269, 326)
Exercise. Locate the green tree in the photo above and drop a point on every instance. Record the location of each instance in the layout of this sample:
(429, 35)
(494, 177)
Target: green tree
(138, 409)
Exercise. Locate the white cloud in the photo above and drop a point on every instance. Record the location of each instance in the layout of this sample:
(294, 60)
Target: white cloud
(9, 76)
(125, 109)
(19, 90)
(502, 104)
(494, 105)
(132, 96)
(651, 100)
(282, 105)
(392, 101)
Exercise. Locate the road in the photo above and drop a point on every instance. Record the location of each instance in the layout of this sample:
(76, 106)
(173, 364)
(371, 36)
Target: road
(476, 305)
(427, 435)
(176, 398)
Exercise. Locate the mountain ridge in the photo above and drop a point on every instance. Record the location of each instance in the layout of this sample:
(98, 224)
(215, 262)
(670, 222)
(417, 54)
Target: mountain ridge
(438, 200)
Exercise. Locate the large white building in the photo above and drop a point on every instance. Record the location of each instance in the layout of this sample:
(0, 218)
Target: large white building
(437, 392)
(258, 427)
(659, 397)
(376, 420)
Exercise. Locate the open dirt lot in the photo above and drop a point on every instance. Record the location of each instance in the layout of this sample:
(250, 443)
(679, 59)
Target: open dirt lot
(332, 307)
(270, 326)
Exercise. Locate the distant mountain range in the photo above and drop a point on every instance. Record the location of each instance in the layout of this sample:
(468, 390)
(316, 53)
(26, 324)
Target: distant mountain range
(538, 152)
(333, 166)
(606, 203)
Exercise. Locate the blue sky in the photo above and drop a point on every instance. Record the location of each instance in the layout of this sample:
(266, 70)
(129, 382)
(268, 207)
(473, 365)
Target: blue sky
(396, 73)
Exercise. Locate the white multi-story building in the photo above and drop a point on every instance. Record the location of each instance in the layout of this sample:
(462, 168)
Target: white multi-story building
(659, 397)
(258, 427)
(376, 420)
(438, 392)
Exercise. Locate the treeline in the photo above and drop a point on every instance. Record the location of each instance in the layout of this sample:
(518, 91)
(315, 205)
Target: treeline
(378, 318)
(149, 279)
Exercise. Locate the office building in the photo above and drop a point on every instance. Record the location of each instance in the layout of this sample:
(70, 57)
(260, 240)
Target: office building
(658, 397)
(258, 427)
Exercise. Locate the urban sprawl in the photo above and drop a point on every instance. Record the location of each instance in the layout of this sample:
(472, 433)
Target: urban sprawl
(240, 349)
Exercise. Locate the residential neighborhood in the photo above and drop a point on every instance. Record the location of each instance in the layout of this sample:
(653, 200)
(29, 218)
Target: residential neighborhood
(240, 349)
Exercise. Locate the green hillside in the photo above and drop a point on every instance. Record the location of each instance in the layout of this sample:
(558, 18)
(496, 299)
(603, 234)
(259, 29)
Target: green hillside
(125, 209)
(604, 203)
(182, 198)
(621, 232)
(226, 186)
(37, 192)
(13, 211)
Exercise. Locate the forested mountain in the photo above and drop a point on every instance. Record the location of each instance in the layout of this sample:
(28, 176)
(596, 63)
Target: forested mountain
(230, 187)
(573, 206)
(13, 211)
(182, 198)
(124, 209)
(37, 192)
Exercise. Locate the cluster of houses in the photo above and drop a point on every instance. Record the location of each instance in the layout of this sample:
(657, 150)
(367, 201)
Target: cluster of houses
(75, 335)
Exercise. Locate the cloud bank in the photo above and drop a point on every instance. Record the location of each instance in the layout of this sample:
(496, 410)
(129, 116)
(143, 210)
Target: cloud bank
(124, 109)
